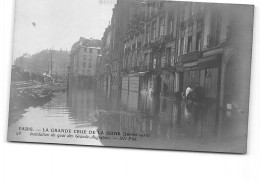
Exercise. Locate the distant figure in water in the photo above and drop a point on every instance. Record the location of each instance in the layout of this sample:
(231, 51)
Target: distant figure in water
(198, 94)
(187, 92)
(165, 89)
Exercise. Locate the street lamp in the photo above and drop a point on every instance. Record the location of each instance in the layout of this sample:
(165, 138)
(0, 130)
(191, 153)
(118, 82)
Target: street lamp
(68, 78)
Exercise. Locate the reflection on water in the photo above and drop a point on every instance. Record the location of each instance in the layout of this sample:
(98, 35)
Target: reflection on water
(170, 124)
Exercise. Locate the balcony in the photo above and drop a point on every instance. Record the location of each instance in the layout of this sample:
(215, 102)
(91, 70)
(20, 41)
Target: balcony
(135, 69)
(165, 65)
(169, 37)
(192, 56)
(124, 70)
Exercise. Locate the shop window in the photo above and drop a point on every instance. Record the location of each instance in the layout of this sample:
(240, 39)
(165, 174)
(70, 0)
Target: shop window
(208, 72)
(192, 74)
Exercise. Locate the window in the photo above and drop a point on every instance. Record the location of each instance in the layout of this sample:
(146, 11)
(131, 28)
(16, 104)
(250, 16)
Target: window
(153, 58)
(163, 53)
(198, 41)
(168, 55)
(182, 14)
(147, 33)
(146, 58)
(89, 65)
(98, 51)
(192, 74)
(133, 46)
(181, 46)
(84, 64)
(171, 27)
(189, 44)
(162, 27)
(208, 72)
(190, 9)
(90, 50)
(153, 31)
(214, 28)
(84, 57)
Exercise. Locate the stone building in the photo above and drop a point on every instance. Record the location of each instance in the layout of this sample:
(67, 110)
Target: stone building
(214, 51)
(161, 47)
(108, 70)
(23, 63)
(51, 62)
(84, 56)
(103, 73)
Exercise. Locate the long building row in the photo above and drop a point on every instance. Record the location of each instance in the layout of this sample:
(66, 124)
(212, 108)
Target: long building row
(162, 47)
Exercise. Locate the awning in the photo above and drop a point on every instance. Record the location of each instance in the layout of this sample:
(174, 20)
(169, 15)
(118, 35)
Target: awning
(141, 73)
(137, 74)
(211, 61)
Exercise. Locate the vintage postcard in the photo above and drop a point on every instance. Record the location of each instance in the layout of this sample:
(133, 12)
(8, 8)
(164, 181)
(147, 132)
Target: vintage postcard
(151, 74)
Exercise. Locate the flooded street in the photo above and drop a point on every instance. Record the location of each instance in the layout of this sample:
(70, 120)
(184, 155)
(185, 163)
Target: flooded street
(161, 123)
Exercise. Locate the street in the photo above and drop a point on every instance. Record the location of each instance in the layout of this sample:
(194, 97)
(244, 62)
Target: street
(164, 123)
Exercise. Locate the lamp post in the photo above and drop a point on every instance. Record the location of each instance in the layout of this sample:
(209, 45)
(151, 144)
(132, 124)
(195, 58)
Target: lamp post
(68, 78)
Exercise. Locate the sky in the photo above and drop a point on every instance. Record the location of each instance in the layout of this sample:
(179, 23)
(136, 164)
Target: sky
(57, 24)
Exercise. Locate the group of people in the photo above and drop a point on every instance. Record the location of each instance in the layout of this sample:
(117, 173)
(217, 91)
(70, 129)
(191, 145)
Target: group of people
(194, 94)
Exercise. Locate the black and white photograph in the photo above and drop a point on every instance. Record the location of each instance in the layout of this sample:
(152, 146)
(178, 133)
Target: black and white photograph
(145, 74)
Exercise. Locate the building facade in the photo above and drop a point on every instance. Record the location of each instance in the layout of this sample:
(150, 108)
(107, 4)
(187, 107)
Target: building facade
(85, 54)
(50, 62)
(103, 73)
(23, 63)
(168, 46)
(150, 47)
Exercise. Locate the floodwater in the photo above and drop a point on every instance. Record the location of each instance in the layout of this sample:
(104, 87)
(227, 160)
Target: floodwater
(128, 119)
